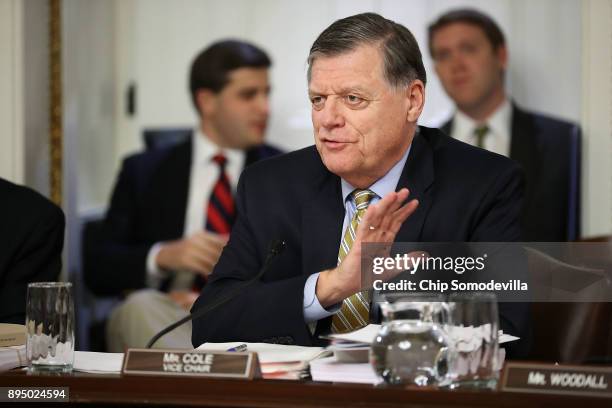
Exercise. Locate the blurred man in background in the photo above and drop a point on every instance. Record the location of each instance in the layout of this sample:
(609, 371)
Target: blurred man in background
(172, 209)
(471, 58)
(32, 240)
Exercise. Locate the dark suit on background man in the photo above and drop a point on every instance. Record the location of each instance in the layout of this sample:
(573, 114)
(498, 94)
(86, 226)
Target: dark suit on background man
(464, 193)
(32, 238)
(148, 206)
(172, 209)
(549, 151)
(470, 56)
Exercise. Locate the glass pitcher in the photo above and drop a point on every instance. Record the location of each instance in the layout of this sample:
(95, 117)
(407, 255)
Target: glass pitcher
(413, 347)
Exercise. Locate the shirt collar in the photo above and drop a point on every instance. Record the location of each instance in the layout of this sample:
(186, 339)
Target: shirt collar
(204, 150)
(384, 185)
(498, 122)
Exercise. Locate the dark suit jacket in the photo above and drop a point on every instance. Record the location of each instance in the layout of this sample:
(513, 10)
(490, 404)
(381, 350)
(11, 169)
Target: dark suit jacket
(148, 205)
(465, 194)
(549, 152)
(32, 239)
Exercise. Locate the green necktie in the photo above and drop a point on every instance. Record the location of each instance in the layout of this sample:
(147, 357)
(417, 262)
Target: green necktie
(355, 310)
(481, 132)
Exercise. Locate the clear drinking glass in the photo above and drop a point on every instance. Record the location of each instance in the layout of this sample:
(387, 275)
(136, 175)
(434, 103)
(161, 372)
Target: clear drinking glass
(50, 326)
(474, 333)
(412, 346)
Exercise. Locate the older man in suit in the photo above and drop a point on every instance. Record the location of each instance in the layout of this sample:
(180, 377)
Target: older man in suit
(172, 209)
(470, 57)
(366, 84)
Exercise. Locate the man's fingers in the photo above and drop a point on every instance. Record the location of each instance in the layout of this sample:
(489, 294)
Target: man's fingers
(388, 205)
(402, 215)
(199, 263)
(381, 215)
(212, 244)
(390, 215)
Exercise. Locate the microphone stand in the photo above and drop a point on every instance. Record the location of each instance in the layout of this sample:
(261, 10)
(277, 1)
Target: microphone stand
(276, 247)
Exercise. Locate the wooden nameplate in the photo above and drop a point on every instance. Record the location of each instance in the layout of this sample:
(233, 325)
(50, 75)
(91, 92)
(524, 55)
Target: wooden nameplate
(557, 379)
(191, 363)
(12, 334)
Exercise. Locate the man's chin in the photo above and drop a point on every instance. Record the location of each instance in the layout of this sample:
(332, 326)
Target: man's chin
(338, 167)
(253, 140)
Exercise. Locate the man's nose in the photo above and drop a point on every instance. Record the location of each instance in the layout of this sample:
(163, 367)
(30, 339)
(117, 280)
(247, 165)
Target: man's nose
(263, 104)
(456, 61)
(331, 114)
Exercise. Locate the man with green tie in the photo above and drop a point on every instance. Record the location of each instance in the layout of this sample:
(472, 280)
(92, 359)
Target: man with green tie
(470, 57)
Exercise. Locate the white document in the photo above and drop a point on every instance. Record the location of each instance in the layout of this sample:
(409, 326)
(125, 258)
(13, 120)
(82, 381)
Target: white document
(329, 369)
(12, 357)
(365, 335)
(272, 353)
(98, 363)
(368, 333)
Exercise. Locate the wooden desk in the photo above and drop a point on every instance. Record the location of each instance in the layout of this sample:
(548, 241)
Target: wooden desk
(116, 390)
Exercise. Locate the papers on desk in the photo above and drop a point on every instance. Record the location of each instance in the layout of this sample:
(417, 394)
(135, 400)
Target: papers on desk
(85, 361)
(97, 363)
(354, 347)
(367, 334)
(12, 357)
(329, 369)
(277, 361)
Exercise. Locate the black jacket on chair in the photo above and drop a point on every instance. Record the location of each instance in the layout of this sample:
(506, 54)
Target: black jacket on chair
(148, 205)
(549, 152)
(465, 194)
(32, 239)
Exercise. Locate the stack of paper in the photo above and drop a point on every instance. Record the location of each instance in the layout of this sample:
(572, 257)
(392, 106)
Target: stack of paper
(12, 357)
(277, 361)
(367, 334)
(97, 363)
(329, 369)
(12, 346)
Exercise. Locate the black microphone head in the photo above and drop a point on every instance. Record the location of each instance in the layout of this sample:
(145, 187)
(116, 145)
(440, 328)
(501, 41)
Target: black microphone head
(277, 246)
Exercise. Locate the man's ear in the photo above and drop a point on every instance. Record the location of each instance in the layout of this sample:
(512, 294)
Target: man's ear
(502, 56)
(206, 101)
(415, 92)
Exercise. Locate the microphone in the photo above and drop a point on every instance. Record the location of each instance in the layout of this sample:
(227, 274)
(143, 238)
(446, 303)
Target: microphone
(276, 247)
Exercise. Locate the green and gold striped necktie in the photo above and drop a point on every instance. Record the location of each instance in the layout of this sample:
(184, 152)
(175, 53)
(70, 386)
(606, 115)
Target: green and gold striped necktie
(355, 310)
(481, 132)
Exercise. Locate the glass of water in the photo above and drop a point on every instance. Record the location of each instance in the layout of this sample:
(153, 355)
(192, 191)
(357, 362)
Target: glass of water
(50, 326)
(474, 333)
(412, 347)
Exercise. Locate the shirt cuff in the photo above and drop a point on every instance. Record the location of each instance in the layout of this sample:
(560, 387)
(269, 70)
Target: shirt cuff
(154, 273)
(313, 310)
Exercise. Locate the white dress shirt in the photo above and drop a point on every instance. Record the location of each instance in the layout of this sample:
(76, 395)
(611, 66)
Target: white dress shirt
(498, 137)
(202, 178)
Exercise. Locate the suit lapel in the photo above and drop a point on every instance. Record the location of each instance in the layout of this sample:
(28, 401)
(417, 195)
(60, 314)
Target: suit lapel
(174, 178)
(417, 176)
(252, 155)
(322, 219)
(523, 148)
(448, 126)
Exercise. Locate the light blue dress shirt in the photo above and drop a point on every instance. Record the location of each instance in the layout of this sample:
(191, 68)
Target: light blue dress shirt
(313, 310)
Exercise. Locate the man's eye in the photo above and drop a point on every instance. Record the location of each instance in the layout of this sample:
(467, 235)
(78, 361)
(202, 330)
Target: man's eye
(248, 94)
(317, 102)
(441, 56)
(353, 100)
(469, 48)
